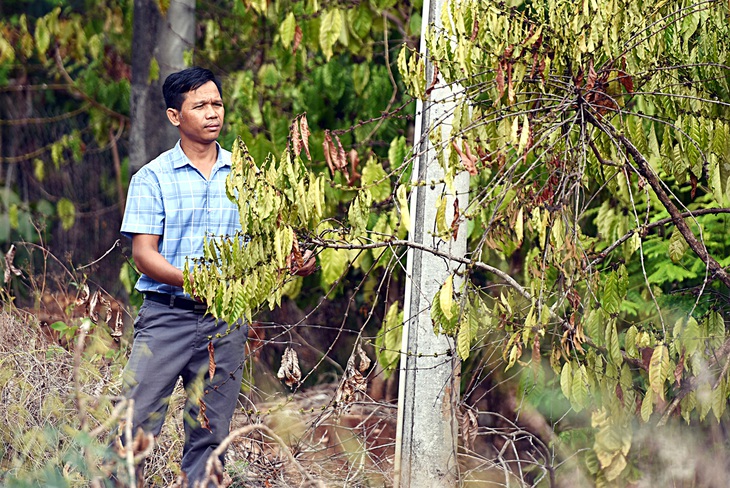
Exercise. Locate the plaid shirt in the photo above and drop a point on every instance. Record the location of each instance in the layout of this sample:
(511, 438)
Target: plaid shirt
(169, 197)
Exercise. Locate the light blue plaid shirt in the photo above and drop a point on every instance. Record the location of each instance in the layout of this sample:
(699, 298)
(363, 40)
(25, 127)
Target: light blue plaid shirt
(169, 197)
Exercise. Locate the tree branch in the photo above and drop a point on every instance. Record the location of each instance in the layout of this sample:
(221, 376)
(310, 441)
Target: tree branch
(421, 247)
(645, 170)
(693, 213)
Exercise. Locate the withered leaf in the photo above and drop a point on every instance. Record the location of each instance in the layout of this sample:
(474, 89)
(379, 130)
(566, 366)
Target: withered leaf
(117, 332)
(592, 76)
(83, 295)
(202, 417)
(434, 81)
(329, 151)
(499, 78)
(510, 85)
(296, 139)
(211, 360)
(304, 132)
(10, 268)
(455, 221)
(94, 306)
(354, 161)
(289, 370)
(626, 80)
(469, 428)
(296, 254)
(679, 370)
(474, 30)
(297, 40)
(340, 159)
(364, 359)
(468, 159)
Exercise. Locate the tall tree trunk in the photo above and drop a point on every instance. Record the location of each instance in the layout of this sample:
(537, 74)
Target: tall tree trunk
(159, 38)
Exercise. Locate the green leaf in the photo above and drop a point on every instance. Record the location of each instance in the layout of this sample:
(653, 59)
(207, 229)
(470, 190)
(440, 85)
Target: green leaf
(566, 380)
(359, 212)
(630, 342)
(66, 212)
(376, 180)
(611, 300)
(333, 262)
(579, 389)
(287, 30)
(388, 340)
(329, 31)
(464, 337)
(647, 405)
(677, 246)
(612, 343)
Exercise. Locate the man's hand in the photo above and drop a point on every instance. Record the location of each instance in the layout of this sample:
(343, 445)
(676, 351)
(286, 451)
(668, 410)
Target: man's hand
(308, 266)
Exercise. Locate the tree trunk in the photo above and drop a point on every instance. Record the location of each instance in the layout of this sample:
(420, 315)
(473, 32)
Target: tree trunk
(159, 38)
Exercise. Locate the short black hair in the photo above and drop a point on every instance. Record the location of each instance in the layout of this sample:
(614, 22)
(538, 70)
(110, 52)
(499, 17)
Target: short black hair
(178, 84)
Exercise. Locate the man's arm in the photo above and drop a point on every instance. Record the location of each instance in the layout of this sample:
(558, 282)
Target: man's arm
(148, 259)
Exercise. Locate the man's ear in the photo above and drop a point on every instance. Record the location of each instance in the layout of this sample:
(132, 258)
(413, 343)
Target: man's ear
(173, 116)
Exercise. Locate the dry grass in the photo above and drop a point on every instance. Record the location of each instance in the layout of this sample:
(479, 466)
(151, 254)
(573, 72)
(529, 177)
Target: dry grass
(52, 399)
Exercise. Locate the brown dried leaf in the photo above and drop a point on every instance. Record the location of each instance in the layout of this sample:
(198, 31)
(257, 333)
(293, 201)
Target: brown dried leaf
(434, 81)
(469, 159)
(455, 220)
(289, 370)
(626, 80)
(297, 39)
(354, 161)
(340, 158)
(202, 417)
(117, 332)
(211, 360)
(679, 370)
(469, 428)
(329, 151)
(592, 76)
(304, 131)
(499, 78)
(10, 268)
(296, 138)
(364, 359)
(510, 85)
(142, 443)
(83, 296)
(693, 183)
(474, 30)
(295, 257)
(94, 307)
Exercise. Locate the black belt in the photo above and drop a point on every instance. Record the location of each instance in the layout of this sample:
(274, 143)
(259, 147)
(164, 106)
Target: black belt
(174, 301)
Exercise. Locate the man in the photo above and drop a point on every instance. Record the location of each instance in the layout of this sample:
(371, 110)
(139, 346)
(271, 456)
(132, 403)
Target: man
(174, 202)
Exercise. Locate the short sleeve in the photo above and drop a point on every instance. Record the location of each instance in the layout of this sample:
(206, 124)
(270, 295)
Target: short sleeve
(144, 211)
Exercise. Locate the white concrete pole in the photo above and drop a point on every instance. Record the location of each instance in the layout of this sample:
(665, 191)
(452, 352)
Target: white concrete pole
(427, 433)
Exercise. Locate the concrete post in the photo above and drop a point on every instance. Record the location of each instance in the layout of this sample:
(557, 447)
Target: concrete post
(427, 433)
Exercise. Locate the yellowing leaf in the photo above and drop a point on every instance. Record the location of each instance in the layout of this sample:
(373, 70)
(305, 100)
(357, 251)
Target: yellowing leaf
(659, 369)
(443, 229)
(329, 31)
(405, 213)
(446, 297)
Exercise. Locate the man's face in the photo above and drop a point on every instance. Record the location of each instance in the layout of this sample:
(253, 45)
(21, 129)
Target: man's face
(201, 117)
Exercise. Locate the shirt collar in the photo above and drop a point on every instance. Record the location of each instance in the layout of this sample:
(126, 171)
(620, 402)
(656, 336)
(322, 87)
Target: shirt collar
(180, 159)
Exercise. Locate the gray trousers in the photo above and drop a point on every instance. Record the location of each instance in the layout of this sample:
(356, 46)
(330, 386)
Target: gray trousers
(171, 343)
